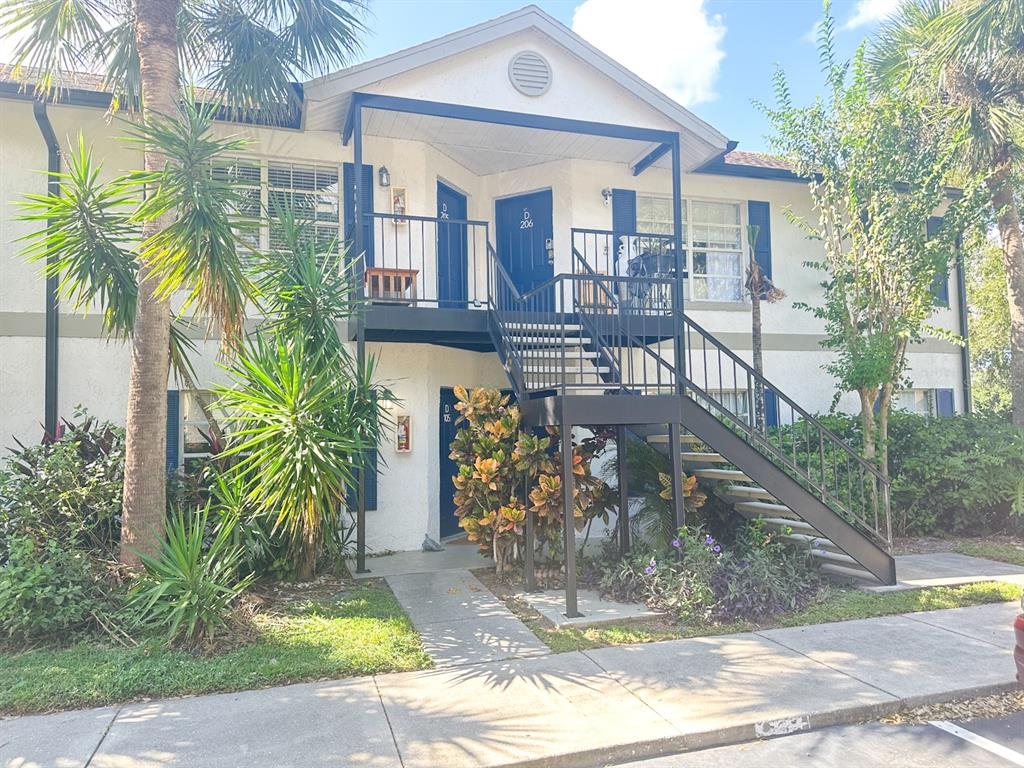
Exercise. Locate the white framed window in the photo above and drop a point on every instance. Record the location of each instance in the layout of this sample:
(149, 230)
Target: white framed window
(919, 401)
(196, 443)
(733, 400)
(713, 241)
(312, 191)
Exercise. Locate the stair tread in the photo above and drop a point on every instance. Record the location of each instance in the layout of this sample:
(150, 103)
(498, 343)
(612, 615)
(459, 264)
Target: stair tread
(695, 456)
(567, 369)
(570, 343)
(544, 327)
(721, 474)
(764, 507)
(796, 525)
(815, 541)
(748, 491)
(686, 437)
(848, 572)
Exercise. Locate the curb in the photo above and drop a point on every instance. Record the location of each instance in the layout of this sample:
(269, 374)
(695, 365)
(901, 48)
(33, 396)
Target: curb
(745, 732)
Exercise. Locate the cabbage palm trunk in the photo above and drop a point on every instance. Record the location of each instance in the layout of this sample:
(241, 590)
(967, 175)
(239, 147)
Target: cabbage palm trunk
(146, 420)
(1009, 225)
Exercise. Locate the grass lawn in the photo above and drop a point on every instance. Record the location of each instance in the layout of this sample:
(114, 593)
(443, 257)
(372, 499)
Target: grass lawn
(835, 605)
(361, 632)
(992, 550)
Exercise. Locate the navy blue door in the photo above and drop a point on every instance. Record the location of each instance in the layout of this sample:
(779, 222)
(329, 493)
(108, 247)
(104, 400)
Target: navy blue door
(449, 522)
(452, 283)
(348, 179)
(523, 231)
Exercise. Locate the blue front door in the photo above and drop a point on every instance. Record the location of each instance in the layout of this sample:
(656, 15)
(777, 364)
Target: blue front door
(523, 232)
(449, 522)
(452, 283)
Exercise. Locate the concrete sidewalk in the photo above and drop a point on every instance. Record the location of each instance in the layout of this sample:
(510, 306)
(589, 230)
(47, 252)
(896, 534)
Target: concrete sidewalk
(571, 709)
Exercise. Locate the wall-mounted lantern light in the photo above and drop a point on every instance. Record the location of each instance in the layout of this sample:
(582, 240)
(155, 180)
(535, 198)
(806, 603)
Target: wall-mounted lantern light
(385, 176)
(606, 193)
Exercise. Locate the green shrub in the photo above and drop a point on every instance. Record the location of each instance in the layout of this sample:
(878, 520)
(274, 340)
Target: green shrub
(48, 591)
(187, 591)
(963, 474)
(66, 490)
(702, 581)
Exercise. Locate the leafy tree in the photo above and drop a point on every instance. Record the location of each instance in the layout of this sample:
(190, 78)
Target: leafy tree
(964, 59)
(989, 325)
(759, 288)
(876, 172)
(247, 54)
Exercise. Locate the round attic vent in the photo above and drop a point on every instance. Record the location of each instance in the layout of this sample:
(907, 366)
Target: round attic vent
(530, 73)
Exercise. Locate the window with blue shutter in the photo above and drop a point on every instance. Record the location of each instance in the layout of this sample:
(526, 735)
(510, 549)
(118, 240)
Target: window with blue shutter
(940, 285)
(623, 217)
(759, 215)
(348, 200)
(771, 408)
(173, 429)
(945, 404)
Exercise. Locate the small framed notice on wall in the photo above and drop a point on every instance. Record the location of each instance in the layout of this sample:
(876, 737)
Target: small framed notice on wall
(403, 433)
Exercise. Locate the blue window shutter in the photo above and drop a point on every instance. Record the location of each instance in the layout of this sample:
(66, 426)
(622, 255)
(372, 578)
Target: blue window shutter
(759, 215)
(348, 181)
(944, 403)
(623, 218)
(352, 497)
(771, 408)
(940, 285)
(173, 430)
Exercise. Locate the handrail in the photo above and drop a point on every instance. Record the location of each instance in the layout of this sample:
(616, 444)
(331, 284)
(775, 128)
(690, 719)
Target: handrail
(827, 476)
(687, 321)
(432, 219)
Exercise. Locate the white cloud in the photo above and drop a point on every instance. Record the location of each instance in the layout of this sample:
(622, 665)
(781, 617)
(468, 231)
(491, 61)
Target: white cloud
(811, 35)
(870, 12)
(675, 46)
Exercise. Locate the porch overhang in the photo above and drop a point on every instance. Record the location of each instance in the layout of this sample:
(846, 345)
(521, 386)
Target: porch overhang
(515, 139)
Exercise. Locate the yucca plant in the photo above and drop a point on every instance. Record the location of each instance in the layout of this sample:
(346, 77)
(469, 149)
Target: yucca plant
(188, 589)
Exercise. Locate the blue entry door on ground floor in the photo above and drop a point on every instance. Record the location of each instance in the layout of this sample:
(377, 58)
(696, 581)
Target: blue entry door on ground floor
(449, 469)
(452, 251)
(523, 231)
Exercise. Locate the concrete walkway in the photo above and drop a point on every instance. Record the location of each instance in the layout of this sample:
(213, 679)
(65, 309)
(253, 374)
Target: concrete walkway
(460, 620)
(571, 709)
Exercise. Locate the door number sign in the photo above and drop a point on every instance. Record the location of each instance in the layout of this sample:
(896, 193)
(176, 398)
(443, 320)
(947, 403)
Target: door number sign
(527, 221)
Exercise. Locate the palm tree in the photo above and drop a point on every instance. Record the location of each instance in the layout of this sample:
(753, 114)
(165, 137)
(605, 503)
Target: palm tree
(967, 57)
(246, 54)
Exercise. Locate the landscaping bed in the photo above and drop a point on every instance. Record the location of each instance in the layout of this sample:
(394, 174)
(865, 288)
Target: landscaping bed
(281, 634)
(834, 604)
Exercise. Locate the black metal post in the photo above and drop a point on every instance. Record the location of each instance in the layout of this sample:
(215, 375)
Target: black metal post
(680, 265)
(677, 475)
(569, 523)
(623, 519)
(360, 249)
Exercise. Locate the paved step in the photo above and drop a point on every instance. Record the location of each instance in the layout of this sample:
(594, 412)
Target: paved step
(704, 458)
(734, 475)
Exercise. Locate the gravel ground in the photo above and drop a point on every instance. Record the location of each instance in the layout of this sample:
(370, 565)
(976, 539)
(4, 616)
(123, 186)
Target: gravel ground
(922, 545)
(961, 710)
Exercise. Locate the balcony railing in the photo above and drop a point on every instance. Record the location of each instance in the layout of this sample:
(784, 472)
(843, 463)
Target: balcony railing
(422, 261)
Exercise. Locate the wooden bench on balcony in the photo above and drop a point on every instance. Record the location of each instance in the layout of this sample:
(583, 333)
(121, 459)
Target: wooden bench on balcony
(393, 286)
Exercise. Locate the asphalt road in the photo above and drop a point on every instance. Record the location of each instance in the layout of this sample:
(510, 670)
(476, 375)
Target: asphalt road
(989, 743)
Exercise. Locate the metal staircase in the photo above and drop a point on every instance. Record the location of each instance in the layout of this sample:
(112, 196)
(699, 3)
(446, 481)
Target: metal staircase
(588, 349)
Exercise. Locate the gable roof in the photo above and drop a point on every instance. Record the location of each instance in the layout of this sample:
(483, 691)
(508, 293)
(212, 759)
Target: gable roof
(341, 84)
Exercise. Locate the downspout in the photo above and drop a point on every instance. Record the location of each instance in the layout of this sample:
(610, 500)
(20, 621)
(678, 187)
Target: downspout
(52, 307)
(965, 350)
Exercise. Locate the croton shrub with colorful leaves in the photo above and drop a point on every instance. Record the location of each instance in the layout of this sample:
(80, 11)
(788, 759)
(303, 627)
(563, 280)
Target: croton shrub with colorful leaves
(505, 471)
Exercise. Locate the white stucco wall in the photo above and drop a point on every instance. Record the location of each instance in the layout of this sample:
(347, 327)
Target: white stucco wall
(93, 371)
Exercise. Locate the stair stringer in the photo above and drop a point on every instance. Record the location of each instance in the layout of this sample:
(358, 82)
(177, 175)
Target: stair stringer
(773, 479)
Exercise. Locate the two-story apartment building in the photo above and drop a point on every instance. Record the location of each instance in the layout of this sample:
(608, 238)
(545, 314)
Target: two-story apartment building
(493, 160)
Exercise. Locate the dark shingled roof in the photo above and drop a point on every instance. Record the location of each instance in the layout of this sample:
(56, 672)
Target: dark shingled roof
(757, 160)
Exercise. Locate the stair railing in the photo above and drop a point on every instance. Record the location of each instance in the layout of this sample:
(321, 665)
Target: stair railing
(728, 386)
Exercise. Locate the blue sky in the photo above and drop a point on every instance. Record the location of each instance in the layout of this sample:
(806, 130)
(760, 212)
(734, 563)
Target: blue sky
(714, 56)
